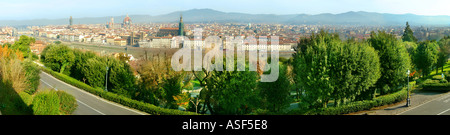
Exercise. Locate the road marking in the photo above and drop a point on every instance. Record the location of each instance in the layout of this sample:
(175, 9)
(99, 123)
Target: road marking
(49, 85)
(444, 97)
(443, 111)
(445, 101)
(438, 98)
(90, 107)
(76, 99)
(413, 107)
(104, 100)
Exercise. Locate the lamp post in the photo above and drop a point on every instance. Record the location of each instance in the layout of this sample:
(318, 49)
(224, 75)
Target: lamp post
(408, 99)
(106, 79)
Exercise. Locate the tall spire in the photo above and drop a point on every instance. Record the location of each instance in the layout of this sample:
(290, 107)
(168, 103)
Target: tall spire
(70, 21)
(181, 17)
(181, 26)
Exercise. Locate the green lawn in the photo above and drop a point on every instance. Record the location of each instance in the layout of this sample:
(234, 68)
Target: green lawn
(446, 69)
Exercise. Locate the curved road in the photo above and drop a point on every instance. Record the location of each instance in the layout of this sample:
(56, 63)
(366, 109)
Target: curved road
(88, 104)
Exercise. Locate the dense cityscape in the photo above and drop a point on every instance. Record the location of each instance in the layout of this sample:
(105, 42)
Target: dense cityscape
(159, 35)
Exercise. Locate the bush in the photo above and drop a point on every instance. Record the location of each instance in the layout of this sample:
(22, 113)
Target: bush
(355, 106)
(443, 81)
(436, 86)
(32, 76)
(145, 107)
(46, 103)
(430, 81)
(447, 76)
(437, 77)
(68, 103)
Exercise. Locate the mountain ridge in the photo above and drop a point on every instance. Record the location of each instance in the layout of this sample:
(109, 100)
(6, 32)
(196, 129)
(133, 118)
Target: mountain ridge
(213, 16)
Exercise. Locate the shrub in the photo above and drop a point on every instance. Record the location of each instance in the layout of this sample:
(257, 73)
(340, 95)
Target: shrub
(443, 81)
(355, 106)
(437, 86)
(145, 107)
(437, 77)
(68, 103)
(46, 103)
(429, 81)
(32, 76)
(447, 76)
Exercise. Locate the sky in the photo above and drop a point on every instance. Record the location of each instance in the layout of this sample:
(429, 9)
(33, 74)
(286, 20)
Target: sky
(57, 9)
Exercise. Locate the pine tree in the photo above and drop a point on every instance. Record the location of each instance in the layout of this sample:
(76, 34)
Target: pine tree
(408, 35)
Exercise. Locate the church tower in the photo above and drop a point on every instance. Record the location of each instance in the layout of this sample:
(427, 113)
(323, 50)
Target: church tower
(70, 21)
(181, 26)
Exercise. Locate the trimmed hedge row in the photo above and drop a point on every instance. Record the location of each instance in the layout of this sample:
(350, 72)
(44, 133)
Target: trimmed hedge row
(436, 86)
(355, 106)
(145, 107)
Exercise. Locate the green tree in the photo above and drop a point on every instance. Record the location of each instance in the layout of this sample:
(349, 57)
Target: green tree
(275, 95)
(312, 68)
(231, 92)
(23, 45)
(58, 58)
(329, 69)
(121, 78)
(355, 68)
(172, 86)
(394, 61)
(408, 34)
(426, 56)
(444, 52)
(95, 72)
(80, 60)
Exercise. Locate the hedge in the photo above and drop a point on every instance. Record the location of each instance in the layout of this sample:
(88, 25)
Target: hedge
(355, 106)
(436, 86)
(142, 106)
(46, 103)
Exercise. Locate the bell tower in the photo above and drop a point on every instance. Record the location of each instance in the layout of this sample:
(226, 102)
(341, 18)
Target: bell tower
(181, 26)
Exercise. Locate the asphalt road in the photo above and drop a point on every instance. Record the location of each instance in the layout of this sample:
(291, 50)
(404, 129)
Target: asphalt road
(88, 104)
(437, 106)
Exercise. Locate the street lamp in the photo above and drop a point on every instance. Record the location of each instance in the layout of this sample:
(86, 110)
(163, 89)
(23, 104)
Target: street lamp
(408, 99)
(106, 79)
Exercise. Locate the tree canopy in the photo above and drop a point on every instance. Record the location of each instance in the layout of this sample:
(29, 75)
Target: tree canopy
(23, 45)
(394, 61)
(408, 34)
(58, 58)
(327, 68)
(426, 56)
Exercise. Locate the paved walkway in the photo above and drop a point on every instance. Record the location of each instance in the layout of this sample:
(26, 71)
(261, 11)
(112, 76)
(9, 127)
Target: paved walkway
(417, 98)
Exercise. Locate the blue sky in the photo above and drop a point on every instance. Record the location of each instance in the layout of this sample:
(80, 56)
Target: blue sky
(53, 9)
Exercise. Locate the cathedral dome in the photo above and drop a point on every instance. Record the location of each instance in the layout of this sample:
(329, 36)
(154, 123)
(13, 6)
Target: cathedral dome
(127, 20)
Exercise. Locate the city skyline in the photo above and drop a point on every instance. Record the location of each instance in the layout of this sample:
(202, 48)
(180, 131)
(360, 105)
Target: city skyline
(51, 9)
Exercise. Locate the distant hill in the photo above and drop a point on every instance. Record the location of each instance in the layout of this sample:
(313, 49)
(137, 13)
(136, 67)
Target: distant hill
(209, 16)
